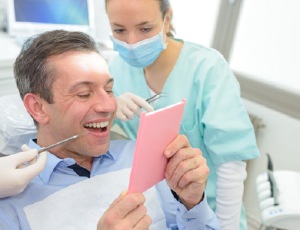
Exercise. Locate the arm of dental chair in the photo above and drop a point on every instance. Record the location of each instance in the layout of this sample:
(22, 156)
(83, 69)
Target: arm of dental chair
(285, 214)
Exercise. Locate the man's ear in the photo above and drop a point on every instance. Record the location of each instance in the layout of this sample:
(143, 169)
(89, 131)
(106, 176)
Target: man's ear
(36, 107)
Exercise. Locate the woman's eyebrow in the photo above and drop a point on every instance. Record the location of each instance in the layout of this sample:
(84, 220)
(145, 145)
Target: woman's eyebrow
(140, 24)
(116, 24)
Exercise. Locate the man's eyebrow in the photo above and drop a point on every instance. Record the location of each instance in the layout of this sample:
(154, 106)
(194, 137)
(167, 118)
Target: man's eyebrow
(80, 84)
(111, 80)
(88, 83)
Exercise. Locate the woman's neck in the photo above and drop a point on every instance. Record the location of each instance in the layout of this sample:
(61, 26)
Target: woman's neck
(157, 74)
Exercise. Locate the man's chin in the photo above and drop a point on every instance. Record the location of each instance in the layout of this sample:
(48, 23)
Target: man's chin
(99, 150)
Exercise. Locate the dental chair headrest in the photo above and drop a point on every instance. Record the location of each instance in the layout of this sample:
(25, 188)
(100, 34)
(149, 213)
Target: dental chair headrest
(16, 125)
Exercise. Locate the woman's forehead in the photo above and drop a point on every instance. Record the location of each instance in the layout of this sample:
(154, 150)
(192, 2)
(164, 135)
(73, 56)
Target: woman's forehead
(132, 8)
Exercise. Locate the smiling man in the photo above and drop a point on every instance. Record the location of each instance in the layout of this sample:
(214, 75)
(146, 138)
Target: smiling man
(67, 89)
(82, 100)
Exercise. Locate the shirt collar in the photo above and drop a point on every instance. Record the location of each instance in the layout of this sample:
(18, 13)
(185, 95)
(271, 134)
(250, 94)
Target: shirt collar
(108, 155)
(53, 161)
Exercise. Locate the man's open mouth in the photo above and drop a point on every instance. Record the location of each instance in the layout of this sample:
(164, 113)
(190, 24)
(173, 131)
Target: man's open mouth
(97, 126)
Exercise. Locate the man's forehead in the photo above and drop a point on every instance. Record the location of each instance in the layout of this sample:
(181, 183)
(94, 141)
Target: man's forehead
(80, 68)
(77, 85)
(76, 59)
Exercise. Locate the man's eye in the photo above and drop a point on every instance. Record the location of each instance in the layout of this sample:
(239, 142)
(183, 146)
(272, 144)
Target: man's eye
(109, 91)
(84, 95)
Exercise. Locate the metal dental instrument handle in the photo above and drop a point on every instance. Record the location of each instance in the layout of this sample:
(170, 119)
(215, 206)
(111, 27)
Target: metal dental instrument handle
(155, 97)
(60, 142)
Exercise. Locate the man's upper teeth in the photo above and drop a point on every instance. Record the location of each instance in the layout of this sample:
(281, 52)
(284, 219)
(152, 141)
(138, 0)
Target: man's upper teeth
(97, 125)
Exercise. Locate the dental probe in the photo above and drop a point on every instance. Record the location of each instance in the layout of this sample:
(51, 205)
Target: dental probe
(61, 142)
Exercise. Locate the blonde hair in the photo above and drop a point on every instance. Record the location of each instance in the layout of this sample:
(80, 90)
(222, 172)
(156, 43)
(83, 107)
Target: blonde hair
(164, 6)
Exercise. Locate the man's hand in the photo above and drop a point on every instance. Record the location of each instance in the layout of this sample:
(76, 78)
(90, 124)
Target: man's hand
(130, 104)
(126, 212)
(15, 175)
(186, 172)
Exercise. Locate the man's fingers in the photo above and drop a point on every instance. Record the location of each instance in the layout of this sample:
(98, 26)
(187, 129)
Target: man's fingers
(183, 175)
(144, 223)
(121, 196)
(189, 177)
(136, 215)
(178, 158)
(178, 143)
(136, 218)
(128, 203)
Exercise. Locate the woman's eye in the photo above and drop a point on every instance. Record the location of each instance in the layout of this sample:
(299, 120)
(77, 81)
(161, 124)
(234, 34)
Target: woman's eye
(118, 31)
(146, 30)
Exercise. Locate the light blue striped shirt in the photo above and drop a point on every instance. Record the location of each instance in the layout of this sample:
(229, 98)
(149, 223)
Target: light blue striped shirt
(57, 176)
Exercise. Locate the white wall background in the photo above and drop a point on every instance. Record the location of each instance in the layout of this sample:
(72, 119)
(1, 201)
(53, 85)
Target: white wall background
(269, 31)
(101, 23)
(194, 20)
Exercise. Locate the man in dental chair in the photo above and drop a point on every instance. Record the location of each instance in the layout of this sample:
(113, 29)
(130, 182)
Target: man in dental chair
(66, 87)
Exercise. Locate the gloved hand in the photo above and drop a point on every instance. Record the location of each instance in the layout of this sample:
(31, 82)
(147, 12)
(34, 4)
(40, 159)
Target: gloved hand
(130, 104)
(15, 175)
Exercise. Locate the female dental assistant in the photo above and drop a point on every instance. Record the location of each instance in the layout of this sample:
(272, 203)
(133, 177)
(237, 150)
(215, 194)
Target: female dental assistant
(150, 61)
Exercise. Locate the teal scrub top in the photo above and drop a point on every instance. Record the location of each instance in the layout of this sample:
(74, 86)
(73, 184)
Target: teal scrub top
(215, 119)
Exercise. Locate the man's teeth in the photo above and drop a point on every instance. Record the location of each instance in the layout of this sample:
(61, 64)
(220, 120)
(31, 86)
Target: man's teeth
(96, 125)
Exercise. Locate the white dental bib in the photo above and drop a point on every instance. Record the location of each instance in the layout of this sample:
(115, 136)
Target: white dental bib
(81, 205)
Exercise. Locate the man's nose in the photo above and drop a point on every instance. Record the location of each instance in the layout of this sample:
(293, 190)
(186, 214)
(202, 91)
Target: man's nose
(105, 103)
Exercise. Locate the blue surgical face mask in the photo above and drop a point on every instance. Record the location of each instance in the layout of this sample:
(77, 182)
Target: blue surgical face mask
(143, 53)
